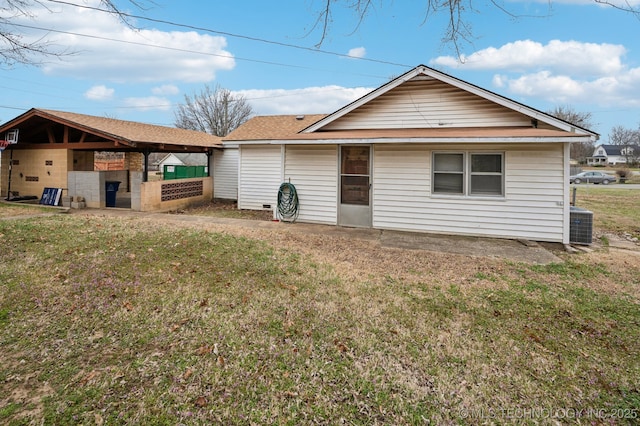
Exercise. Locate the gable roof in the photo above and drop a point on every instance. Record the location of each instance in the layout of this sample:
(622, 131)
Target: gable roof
(422, 72)
(616, 149)
(122, 133)
(422, 105)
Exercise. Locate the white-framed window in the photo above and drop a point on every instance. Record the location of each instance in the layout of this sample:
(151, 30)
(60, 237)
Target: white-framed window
(448, 172)
(468, 173)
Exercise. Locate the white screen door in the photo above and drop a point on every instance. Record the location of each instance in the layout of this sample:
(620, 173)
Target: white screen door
(355, 186)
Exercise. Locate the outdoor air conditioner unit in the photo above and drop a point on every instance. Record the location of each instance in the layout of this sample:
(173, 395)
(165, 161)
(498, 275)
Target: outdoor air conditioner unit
(581, 226)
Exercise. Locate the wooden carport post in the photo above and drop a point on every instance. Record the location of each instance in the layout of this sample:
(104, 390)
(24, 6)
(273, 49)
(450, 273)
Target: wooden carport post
(209, 156)
(145, 172)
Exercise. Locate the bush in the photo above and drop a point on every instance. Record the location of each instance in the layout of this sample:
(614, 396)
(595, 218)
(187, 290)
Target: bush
(624, 174)
(633, 177)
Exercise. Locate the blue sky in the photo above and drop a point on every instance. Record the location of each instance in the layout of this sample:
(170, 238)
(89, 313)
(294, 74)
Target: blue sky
(568, 53)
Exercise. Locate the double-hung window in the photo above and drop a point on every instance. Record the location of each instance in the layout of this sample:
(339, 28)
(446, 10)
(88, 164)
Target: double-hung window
(468, 173)
(448, 173)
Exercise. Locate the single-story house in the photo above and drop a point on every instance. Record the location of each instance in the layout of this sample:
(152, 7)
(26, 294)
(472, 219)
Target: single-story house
(425, 152)
(604, 155)
(180, 159)
(56, 149)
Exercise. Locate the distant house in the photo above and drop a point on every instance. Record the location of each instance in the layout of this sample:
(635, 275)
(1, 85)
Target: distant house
(224, 168)
(182, 159)
(604, 155)
(425, 152)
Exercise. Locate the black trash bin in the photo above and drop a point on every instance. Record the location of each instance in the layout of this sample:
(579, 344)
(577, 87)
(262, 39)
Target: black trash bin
(111, 187)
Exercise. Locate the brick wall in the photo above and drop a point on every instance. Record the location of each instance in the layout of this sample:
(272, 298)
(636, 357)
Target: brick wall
(33, 170)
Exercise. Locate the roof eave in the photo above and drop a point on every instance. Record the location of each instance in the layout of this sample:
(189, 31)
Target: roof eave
(423, 140)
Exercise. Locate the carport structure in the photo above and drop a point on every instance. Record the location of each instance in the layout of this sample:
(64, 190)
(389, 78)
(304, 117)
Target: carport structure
(56, 149)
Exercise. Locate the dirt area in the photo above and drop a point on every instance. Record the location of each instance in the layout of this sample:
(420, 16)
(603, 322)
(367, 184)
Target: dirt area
(355, 246)
(368, 254)
(394, 252)
(226, 208)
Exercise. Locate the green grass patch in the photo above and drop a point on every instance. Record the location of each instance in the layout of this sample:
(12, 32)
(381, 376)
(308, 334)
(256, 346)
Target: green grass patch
(614, 210)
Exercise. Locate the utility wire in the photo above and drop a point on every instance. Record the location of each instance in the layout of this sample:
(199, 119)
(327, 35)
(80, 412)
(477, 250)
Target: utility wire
(176, 49)
(228, 34)
(191, 27)
(137, 43)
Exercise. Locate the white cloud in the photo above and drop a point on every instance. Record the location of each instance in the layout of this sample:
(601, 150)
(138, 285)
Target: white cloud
(559, 72)
(622, 89)
(572, 57)
(99, 93)
(311, 100)
(166, 89)
(149, 103)
(357, 52)
(148, 55)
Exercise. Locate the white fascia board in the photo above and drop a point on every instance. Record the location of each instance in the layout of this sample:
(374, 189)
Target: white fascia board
(229, 145)
(417, 140)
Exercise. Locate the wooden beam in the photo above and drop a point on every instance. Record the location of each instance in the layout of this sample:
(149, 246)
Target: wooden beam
(52, 137)
(65, 137)
(95, 146)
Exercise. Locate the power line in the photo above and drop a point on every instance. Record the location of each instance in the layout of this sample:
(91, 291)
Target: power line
(191, 27)
(136, 43)
(228, 34)
(297, 92)
(176, 49)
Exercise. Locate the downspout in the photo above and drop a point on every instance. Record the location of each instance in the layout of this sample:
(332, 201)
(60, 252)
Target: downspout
(209, 167)
(9, 180)
(566, 204)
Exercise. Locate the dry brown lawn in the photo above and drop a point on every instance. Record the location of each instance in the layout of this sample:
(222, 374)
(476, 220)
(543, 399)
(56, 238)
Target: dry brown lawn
(135, 320)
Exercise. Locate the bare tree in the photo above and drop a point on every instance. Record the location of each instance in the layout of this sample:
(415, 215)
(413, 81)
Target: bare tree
(579, 150)
(458, 13)
(622, 136)
(15, 48)
(458, 26)
(569, 114)
(629, 140)
(215, 111)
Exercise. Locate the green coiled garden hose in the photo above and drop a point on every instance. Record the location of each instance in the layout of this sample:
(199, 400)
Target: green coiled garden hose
(288, 203)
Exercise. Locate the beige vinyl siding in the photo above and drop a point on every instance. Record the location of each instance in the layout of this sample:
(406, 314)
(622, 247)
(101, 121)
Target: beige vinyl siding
(314, 172)
(225, 173)
(260, 176)
(532, 207)
(428, 103)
